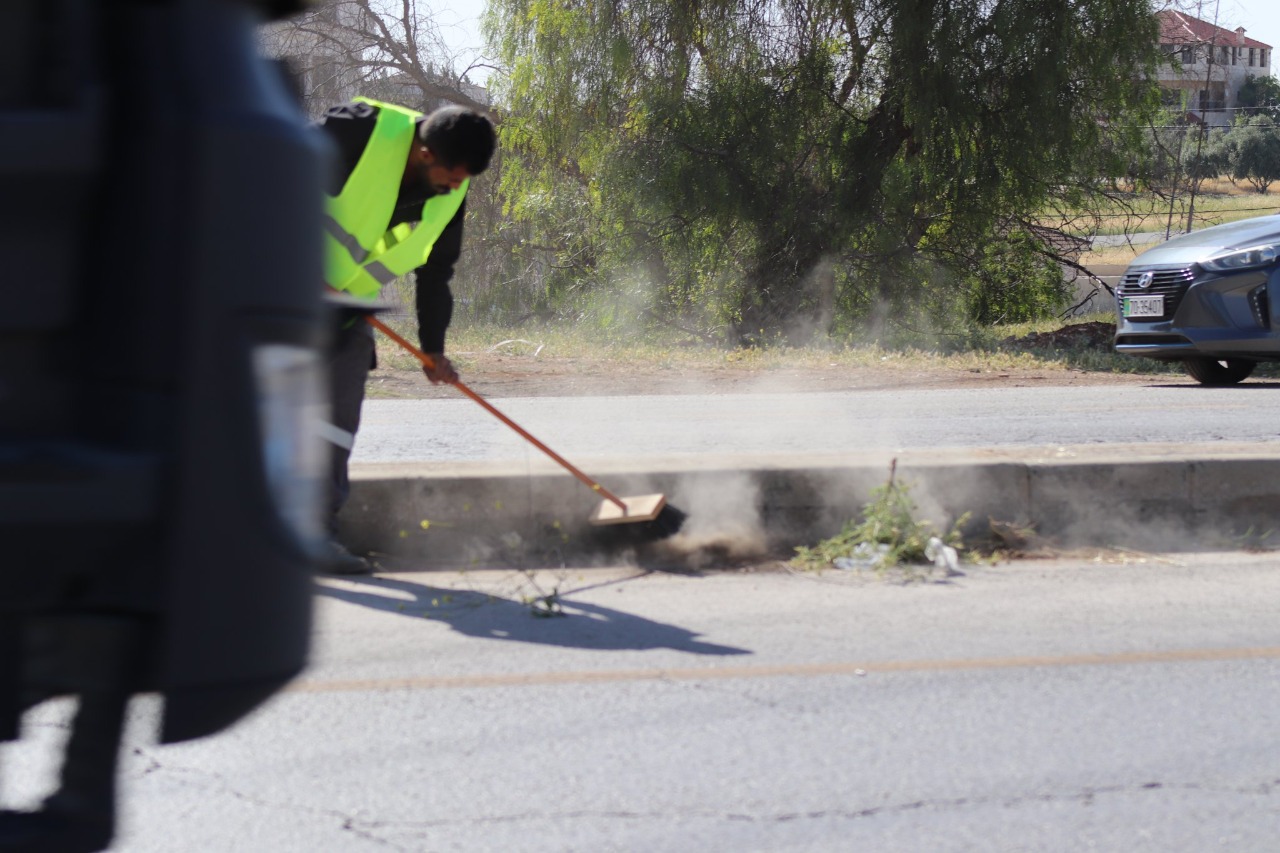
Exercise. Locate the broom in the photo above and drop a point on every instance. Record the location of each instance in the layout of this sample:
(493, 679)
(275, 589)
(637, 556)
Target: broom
(660, 518)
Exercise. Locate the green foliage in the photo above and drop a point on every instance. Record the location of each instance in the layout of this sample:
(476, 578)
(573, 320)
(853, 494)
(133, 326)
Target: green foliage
(1252, 151)
(1009, 282)
(886, 536)
(1205, 155)
(1159, 165)
(769, 170)
(1260, 96)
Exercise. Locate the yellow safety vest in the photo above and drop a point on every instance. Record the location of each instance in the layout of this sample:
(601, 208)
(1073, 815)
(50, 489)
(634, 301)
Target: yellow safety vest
(361, 253)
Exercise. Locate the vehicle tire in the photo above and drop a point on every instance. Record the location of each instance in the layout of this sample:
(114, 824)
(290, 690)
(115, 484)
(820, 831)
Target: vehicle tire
(1218, 371)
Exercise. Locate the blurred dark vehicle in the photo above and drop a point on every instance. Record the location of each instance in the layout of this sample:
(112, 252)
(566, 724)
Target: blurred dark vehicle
(1207, 299)
(160, 327)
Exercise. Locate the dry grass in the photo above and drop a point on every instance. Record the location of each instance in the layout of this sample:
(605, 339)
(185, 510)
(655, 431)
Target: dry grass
(1217, 202)
(1047, 345)
(1113, 255)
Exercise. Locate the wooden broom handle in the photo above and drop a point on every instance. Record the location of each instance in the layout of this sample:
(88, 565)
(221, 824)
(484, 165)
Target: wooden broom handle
(429, 363)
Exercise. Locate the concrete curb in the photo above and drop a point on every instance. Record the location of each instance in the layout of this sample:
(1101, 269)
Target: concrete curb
(1142, 496)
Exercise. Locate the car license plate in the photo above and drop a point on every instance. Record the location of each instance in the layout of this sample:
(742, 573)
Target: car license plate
(1144, 306)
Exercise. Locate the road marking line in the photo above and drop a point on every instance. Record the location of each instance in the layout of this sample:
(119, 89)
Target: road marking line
(778, 670)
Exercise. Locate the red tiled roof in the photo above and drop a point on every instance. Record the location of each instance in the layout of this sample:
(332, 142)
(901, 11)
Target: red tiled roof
(1180, 28)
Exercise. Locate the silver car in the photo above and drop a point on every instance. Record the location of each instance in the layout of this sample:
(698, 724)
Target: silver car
(1209, 299)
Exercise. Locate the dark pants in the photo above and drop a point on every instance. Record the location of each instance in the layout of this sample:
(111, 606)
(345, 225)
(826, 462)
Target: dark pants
(351, 357)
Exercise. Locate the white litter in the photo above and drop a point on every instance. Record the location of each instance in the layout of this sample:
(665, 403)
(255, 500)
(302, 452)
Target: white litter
(865, 556)
(943, 556)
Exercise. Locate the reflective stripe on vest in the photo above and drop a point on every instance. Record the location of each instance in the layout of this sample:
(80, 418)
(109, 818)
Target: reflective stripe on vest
(346, 239)
(380, 273)
(361, 253)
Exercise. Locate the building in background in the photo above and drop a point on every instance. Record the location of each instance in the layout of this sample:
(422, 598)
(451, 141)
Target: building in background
(1206, 66)
(318, 49)
(343, 49)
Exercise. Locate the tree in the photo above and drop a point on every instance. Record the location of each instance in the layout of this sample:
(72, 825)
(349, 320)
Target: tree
(377, 48)
(1204, 154)
(774, 162)
(1260, 96)
(1253, 151)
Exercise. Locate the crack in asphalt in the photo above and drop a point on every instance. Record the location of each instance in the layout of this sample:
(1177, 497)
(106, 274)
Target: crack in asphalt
(380, 831)
(412, 829)
(220, 785)
(1086, 797)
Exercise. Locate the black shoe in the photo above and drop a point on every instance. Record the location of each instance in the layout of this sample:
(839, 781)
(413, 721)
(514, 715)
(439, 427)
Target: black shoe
(337, 560)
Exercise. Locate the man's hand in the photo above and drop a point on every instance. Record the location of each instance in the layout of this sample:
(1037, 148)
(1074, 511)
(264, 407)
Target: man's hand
(441, 369)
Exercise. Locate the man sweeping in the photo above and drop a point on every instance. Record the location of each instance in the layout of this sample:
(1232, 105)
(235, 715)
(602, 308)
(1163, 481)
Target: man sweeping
(396, 206)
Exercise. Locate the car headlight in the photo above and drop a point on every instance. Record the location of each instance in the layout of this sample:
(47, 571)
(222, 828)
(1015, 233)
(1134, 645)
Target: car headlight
(291, 402)
(1243, 259)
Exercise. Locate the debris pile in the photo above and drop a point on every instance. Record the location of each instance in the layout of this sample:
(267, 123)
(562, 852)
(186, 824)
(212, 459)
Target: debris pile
(1095, 335)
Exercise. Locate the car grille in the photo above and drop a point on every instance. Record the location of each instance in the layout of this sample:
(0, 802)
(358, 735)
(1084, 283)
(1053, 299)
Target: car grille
(1169, 283)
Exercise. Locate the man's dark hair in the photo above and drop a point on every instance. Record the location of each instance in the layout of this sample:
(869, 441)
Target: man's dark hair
(459, 137)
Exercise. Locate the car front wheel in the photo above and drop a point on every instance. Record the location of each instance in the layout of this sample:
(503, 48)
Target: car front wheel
(1218, 371)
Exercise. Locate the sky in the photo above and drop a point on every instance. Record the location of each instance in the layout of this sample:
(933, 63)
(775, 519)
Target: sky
(1260, 19)
(459, 22)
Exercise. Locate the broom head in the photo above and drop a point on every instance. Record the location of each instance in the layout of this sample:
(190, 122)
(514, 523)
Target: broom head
(640, 508)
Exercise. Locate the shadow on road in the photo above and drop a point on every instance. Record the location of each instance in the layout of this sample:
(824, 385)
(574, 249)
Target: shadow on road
(1266, 384)
(575, 624)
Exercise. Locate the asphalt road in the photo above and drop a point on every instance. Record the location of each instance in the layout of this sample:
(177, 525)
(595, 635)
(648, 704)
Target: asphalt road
(1047, 706)
(694, 425)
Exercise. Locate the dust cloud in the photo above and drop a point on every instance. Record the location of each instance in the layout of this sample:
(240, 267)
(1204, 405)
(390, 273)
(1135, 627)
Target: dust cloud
(724, 526)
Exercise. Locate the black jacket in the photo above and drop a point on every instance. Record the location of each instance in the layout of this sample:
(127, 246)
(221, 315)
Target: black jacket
(350, 126)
